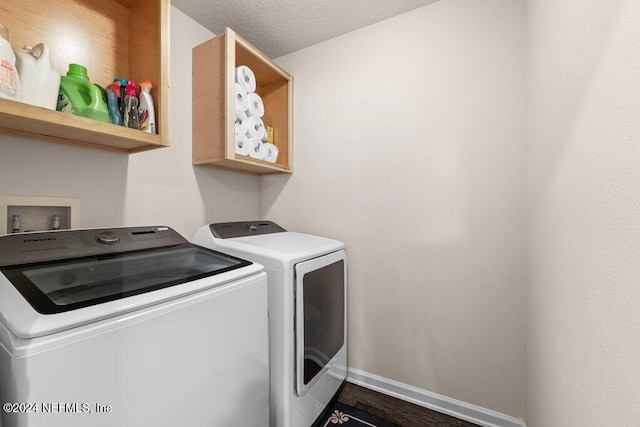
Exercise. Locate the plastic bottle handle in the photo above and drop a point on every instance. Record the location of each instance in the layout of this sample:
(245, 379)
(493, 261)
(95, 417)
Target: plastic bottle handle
(96, 96)
(40, 50)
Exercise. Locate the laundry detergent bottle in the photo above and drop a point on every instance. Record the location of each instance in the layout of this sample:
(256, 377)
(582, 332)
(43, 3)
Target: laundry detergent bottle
(146, 112)
(9, 79)
(81, 97)
(39, 81)
(130, 118)
(113, 99)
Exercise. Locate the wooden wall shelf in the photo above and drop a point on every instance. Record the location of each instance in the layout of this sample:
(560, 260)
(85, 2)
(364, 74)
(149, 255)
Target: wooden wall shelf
(112, 38)
(214, 64)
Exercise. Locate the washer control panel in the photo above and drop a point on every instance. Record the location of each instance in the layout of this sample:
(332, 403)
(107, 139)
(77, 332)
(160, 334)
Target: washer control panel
(24, 248)
(228, 230)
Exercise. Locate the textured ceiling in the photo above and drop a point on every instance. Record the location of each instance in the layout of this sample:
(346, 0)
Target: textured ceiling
(279, 27)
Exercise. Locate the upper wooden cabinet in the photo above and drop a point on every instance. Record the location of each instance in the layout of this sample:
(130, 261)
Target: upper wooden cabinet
(112, 38)
(214, 64)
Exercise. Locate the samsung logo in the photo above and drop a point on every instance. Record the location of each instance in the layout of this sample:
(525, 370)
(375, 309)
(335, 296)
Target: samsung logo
(44, 239)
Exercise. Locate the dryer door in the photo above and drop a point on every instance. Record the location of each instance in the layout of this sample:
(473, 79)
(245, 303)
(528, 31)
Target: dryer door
(320, 316)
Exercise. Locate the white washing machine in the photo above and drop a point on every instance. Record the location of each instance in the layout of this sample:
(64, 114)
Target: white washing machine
(130, 327)
(307, 309)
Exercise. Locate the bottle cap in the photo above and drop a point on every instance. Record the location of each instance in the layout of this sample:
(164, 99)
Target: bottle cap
(131, 88)
(115, 88)
(5, 33)
(123, 82)
(77, 70)
(146, 85)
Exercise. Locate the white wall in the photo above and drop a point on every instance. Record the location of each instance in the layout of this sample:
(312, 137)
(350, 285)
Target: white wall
(163, 186)
(156, 187)
(583, 311)
(409, 146)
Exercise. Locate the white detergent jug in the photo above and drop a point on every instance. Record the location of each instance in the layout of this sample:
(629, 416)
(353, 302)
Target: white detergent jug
(40, 83)
(9, 79)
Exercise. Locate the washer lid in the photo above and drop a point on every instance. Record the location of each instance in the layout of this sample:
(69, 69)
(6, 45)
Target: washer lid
(274, 250)
(38, 298)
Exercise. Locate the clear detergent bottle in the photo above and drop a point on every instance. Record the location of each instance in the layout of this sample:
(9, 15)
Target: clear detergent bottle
(123, 92)
(130, 118)
(9, 79)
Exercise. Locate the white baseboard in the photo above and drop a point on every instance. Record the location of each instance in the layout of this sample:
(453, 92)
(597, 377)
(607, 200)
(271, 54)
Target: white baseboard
(434, 401)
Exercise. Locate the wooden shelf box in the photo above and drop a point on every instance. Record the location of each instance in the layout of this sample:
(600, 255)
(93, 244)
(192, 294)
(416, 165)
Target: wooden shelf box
(214, 64)
(112, 38)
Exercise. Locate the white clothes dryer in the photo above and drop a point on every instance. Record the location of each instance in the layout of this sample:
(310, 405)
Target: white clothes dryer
(307, 311)
(130, 327)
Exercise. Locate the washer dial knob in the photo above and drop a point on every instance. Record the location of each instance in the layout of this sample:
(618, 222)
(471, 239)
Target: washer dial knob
(108, 238)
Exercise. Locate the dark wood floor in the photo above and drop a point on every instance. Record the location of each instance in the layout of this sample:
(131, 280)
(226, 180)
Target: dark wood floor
(397, 411)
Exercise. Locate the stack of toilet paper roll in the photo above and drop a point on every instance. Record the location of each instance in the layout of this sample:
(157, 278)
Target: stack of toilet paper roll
(251, 135)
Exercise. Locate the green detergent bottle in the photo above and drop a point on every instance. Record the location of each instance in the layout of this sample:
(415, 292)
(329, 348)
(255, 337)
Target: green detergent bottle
(81, 97)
